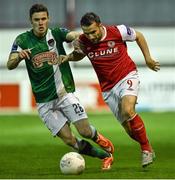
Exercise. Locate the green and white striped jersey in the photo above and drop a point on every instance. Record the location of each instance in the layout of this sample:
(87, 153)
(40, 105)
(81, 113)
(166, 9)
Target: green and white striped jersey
(48, 79)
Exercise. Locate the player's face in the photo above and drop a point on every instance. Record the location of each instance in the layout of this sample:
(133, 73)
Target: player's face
(39, 23)
(93, 32)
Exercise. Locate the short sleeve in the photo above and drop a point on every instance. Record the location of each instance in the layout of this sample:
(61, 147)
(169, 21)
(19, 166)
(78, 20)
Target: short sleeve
(127, 33)
(16, 46)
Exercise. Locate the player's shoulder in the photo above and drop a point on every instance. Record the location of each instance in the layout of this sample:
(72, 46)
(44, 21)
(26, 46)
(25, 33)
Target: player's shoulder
(112, 30)
(59, 30)
(118, 26)
(59, 33)
(23, 37)
(24, 34)
(115, 27)
(125, 28)
(128, 33)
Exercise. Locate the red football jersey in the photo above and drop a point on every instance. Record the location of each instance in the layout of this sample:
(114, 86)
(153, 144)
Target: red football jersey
(109, 57)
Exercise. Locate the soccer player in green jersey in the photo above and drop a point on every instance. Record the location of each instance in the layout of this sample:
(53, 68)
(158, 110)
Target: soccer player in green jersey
(53, 85)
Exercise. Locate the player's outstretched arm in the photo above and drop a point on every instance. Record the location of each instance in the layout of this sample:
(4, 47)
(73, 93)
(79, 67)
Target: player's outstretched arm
(150, 62)
(16, 57)
(73, 56)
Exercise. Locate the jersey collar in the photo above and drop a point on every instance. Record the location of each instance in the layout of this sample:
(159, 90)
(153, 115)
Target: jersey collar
(105, 33)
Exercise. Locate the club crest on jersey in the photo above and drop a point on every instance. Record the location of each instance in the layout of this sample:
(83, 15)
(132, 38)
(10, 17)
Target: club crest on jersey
(111, 44)
(49, 57)
(51, 42)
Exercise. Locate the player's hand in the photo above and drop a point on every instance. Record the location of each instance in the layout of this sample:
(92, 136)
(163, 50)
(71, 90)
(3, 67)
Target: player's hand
(24, 54)
(152, 64)
(63, 58)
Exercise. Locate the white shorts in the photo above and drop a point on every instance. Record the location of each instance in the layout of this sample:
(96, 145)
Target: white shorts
(57, 112)
(129, 85)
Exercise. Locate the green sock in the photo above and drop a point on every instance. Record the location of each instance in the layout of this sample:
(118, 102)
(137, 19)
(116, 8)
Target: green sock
(100, 153)
(86, 148)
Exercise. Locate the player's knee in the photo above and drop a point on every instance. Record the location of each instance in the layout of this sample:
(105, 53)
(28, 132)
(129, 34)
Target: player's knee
(128, 113)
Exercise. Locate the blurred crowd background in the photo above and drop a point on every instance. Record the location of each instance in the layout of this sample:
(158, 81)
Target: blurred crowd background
(14, 13)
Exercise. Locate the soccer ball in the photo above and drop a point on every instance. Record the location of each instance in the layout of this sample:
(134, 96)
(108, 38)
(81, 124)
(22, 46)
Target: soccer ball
(72, 163)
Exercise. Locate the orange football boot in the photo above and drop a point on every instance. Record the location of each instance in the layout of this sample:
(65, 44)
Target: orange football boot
(107, 162)
(105, 143)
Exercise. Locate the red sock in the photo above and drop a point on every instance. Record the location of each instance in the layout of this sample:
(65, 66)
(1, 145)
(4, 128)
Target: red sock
(139, 132)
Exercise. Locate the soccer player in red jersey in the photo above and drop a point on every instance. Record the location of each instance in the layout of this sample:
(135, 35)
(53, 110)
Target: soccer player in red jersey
(106, 48)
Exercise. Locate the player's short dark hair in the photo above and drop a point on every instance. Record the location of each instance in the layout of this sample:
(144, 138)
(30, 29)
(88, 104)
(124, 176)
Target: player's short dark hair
(38, 8)
(89, 18)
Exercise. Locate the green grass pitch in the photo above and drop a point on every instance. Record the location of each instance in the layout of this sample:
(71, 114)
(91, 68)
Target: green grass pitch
(28, 151)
